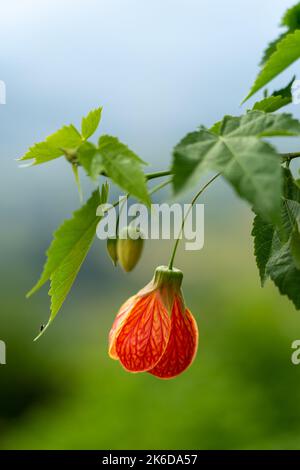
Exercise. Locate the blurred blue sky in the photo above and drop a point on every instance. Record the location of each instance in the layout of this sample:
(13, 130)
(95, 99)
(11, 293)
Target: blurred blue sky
(159, 68)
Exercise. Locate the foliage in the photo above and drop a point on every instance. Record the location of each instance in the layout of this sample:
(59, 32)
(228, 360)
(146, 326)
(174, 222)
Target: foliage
(239, 148)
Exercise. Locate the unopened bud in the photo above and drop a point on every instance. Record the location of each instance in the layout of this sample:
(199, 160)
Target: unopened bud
(111, 246)
(129, 247)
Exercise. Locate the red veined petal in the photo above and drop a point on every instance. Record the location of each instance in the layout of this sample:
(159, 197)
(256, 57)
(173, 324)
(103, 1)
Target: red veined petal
(117, 325)
(144, 334)
(182, 345)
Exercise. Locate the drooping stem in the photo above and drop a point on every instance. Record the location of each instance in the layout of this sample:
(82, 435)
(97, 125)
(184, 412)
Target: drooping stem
(186, 215)
(160, 186)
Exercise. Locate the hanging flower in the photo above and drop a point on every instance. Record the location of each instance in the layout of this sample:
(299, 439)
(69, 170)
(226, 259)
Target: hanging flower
(153, 331)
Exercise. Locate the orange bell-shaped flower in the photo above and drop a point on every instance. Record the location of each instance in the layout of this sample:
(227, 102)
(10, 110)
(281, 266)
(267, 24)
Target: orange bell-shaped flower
(153, 331)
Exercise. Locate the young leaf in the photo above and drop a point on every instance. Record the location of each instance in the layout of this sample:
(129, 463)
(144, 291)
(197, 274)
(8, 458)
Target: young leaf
(53, 147)
(41, 152)
(123, 167)
(287, 51)
(90, 159)
(67, 137)
(67, 252)
(251, 165)
(90, 123)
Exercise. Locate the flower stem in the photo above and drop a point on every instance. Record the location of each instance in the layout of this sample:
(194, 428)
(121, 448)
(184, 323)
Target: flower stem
(183, 222)
(160, 186)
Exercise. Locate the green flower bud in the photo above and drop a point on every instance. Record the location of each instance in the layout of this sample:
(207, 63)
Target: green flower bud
(129, 247)
(111, 246)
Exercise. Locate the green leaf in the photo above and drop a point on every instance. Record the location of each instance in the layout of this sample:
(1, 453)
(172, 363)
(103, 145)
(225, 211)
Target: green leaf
(67, 252)
(54, 146)
(277, 250)
(91, 160)
(287, 51)
(252, 166)
(277, 100)
(90, 123)
(271, 48)
(291, 18)
(263, 234)
(124, 167)
(41, 152)
(215, 129)
(285, 92)
(67, 137)
(284, 273)
(295, 247)
(271, 103)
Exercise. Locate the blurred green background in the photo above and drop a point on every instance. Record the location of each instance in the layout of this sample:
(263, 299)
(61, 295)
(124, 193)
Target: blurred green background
(63, 392)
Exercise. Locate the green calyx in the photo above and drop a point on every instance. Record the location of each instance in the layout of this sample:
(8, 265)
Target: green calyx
(169, 278)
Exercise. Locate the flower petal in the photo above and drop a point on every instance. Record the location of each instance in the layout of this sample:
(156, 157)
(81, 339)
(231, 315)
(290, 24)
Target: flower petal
(117, 325)
(182, 346)
(144, 334)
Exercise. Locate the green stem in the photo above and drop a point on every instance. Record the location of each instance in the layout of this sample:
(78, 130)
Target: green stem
(152, 191)
(183, 222)
(158, 174)
(77, 180)
(160, 186)
(287, 157)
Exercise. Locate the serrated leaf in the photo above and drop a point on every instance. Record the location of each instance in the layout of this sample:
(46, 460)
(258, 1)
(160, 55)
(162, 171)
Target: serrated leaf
(53, 147)
(277, 249)
(215, 129)
(67, 137)
(295, 247)
(271, 48)
(90, 159)
(67, 252)
(287, 51)
(263, 234)
(283, 271)
(285, 92)
(251, 165)
(41, 152)
(277, 100)
(90, 123)
(124, 167)
(291, 18)
(271, 103)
